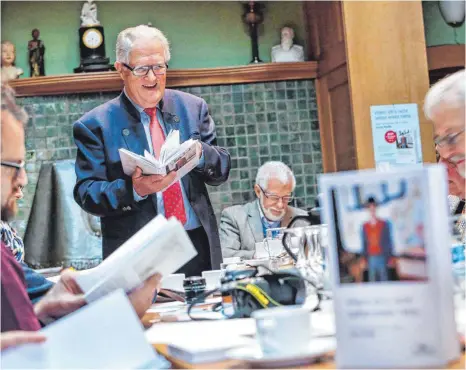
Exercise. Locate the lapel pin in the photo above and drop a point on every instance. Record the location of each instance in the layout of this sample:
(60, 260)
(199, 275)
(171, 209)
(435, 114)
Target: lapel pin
(176, 119)
(126, 132)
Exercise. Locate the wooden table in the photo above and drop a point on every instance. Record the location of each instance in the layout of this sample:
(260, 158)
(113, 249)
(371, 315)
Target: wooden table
(230, 364)
(326, 363)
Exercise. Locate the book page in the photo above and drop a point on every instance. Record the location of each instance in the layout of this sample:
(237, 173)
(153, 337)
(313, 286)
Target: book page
(161, 246)
(181, 158)
(170, 147)
(130, 161)
(104, 335)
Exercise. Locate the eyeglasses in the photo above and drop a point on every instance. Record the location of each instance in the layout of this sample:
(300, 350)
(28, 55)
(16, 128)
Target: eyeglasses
(17, 166)
(450, 139)
(287, 199)
(142, 71)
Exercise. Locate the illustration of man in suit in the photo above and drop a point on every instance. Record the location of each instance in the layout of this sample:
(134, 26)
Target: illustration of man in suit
(140, 119)
(377, 244)
(242, 226)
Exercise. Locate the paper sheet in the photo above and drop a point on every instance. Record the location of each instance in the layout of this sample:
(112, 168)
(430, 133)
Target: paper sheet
(161, 246)
(90, 338)
(322, 322)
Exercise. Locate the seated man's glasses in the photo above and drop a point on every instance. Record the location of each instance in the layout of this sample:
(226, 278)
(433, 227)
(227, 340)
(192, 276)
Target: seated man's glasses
(141, 71)
(449, 140)
(287, 199)
(17, 166)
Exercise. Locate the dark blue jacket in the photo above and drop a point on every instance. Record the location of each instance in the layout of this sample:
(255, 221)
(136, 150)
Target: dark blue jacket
(104, 190)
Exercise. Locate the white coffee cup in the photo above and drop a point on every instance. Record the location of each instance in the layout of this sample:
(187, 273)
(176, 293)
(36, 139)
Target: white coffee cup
(173, 282)
(284, 330)
(212, 278)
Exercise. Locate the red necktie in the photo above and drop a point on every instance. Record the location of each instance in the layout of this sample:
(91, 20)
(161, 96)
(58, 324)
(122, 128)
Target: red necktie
(172, 196)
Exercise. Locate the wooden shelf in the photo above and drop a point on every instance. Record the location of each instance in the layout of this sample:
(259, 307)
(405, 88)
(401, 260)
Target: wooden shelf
(110, 81)
(445, 56)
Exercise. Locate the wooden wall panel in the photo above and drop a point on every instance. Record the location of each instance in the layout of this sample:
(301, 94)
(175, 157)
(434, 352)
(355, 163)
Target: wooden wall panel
(387, 64)
(343, 136)
(327, 44)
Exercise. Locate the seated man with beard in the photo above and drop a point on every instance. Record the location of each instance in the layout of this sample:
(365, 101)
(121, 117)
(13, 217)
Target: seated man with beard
(242, 226)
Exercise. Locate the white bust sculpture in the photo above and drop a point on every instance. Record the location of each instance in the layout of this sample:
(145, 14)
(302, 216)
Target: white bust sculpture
(89, 14)
(287, 51)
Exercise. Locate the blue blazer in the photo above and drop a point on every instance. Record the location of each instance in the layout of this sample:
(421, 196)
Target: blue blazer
(103, 189)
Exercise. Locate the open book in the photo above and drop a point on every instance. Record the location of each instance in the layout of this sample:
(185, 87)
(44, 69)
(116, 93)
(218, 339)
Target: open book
(174, 156)
(161, 246)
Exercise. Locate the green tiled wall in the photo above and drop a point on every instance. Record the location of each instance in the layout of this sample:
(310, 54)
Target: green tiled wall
(255, 122)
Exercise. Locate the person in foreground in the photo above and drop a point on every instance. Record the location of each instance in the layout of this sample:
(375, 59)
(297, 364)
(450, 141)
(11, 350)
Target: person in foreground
(37, 285)
(139, 120)
(445, 106)
(19, 317)
(242, 226)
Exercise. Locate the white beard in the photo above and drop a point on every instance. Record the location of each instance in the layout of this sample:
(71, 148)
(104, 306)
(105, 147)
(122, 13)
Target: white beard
(269, 215)
(286, 44)
(461, 171)
(461, 168)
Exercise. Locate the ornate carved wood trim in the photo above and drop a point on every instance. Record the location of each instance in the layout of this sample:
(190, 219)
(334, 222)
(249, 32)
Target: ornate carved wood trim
(110, 81)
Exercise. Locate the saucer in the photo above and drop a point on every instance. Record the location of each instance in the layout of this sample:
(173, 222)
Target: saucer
(254, 356)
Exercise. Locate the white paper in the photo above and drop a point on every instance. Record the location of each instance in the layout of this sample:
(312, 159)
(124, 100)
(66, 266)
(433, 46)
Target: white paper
(382, 324)
(322, 325)
(161, 246)
(166, 333)
(209, 349)
(106, 334)
(396, 135)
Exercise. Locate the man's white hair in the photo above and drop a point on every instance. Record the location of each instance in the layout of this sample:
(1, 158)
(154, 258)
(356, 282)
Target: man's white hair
(449, 92)
(275, 170)
(127, 37)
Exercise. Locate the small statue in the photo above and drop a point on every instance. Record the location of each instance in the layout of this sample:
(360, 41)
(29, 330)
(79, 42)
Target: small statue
(287, 51)
(89, 14)
(9, 70)
(36, 54)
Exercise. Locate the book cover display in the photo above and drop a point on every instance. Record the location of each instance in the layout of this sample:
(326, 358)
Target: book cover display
(390, 267)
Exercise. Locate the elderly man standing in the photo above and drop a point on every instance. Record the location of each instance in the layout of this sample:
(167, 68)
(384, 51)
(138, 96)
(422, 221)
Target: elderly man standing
(140, 119)
(242, 226)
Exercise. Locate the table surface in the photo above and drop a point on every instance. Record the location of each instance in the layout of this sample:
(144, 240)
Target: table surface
(325, 362)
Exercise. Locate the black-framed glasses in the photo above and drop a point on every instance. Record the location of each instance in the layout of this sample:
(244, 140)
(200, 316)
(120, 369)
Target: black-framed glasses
(449, 140)
(18, 166)
(142, 71)
(287, 199)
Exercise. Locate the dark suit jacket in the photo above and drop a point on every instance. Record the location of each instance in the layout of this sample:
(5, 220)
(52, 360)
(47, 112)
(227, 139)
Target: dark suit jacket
(104, 190)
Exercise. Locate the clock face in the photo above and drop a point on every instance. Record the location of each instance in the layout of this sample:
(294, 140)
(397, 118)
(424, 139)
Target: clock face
(92, 38)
